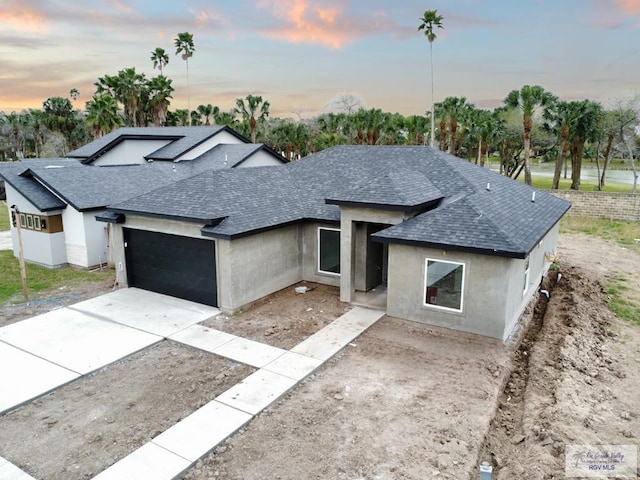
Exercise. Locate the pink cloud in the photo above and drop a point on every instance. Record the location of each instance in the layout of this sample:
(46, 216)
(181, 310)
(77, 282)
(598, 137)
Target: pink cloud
(328, 26)
(123, 7)
(629, 6)
(21, 18)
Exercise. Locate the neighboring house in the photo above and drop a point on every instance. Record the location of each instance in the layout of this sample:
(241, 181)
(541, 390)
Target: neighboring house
(456, 245)
(59, 199)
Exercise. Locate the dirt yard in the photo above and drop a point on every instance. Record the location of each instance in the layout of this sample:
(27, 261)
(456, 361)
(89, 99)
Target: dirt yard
(403, 401)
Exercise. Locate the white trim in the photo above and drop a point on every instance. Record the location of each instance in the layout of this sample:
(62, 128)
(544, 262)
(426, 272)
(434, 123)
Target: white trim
(333, 274)
(439, 307)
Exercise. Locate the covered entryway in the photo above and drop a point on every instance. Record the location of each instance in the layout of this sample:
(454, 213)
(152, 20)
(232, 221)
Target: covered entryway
(182, 267)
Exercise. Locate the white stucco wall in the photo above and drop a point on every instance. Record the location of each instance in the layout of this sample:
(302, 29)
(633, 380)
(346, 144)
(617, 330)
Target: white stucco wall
(130, 152)
(95, 238)
(260, 159)
(220, 137)
(47, 249)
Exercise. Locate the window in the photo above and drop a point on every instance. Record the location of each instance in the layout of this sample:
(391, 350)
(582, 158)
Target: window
(29, 221)
(36, 222)
(23, 220)
(329, 251)
(444, 284)
(526, 277)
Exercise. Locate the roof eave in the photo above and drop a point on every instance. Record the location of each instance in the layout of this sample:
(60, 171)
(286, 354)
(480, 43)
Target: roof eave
(453, 248)
(210, 222)
(423, 206)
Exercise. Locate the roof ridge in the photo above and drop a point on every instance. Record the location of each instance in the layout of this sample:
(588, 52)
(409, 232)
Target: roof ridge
(508, 237)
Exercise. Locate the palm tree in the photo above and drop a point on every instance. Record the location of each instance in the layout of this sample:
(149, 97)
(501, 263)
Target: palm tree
(184, 45)
(454, 109)
(160, 58)
(431, 20)
(206, 112)
(558, 120)
(254, 105)
(527, 100)
(126, 87)
(102, 114)
(585, 127)
(160, 90)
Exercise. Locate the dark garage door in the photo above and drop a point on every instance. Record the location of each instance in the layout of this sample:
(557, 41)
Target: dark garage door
(182, 267)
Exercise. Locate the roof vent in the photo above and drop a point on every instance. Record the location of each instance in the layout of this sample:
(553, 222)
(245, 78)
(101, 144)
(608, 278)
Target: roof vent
(533, 196)
(54, 166)
(488, 187)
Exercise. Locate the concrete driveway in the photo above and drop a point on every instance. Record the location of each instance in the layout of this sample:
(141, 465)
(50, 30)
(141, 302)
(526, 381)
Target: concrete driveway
(44, 352)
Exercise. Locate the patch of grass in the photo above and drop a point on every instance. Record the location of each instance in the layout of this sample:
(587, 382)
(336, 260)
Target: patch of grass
(4, 216)
(544, 183)
(623, 307)
(41, 278)
(624, 233)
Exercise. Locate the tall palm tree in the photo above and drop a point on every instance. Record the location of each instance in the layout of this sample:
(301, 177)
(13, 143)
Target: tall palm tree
(253, 105)
(160, 58)
(431, 20)
(102, 114)
(184, 46)
(527, 100)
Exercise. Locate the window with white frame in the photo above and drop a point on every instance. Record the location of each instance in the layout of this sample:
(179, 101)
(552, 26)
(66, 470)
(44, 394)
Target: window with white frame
(527, 270)
(444, 284)
(329, 250)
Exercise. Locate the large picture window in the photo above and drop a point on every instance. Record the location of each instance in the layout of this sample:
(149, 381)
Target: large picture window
(329, 251)
(444, 284)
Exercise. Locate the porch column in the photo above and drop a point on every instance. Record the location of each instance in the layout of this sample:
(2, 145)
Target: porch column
(347, 259)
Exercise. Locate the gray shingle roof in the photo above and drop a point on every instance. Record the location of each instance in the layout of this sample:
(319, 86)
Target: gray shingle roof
(93, 187)
(42, 198)
(458, 211)
(90, 187)
(183, 140)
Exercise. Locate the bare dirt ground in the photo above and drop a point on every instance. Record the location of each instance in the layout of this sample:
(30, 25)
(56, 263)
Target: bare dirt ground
(285, 318)
(576, 377)
(404, 401)
(80, 429)
(47, 300)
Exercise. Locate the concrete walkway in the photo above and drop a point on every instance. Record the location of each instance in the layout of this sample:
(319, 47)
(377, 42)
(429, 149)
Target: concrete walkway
(156, 317)
(5, 240)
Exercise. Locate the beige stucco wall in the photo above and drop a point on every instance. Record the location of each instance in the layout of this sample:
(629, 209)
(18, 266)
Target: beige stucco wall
(252, 267)
(494, 295)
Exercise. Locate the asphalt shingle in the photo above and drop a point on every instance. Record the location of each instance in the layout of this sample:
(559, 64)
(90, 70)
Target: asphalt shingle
(183, 139)
(501, 220)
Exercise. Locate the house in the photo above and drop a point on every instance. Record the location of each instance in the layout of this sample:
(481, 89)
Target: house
(456, 245)
(59, 199)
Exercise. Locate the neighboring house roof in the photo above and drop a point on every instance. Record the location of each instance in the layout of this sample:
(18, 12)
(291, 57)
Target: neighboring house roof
(40, 197)
(88, 187)
(183, 139)
(448, 195)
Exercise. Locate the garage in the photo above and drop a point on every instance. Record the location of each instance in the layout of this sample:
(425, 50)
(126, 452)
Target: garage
(182, 267)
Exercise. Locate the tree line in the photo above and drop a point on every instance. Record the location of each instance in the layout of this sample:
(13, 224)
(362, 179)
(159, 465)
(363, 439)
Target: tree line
(530, 123)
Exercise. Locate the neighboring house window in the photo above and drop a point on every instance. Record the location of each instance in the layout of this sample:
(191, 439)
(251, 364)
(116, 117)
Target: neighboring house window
(329, 251)
(41, 223)
(527, 270)
(444, 284)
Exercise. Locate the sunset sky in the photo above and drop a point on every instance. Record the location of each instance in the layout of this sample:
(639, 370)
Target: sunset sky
(299, 54)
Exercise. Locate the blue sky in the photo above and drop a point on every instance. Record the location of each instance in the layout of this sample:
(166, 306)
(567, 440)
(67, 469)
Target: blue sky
(299, 54)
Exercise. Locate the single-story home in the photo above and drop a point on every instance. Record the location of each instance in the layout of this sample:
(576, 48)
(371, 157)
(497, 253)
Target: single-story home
(59, 199)
(455, 245)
